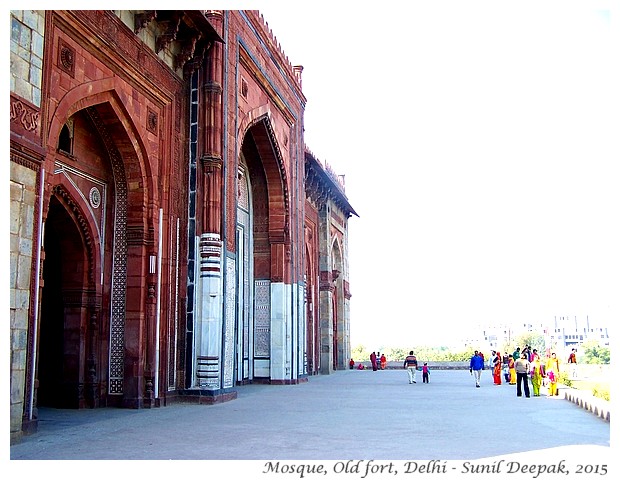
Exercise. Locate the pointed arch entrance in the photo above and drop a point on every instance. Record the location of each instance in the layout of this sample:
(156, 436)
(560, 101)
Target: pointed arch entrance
(63, 350)
(92, 243)
(262, 232)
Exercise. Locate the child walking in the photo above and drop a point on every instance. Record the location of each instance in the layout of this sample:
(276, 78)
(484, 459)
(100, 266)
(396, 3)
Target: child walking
(425, 372)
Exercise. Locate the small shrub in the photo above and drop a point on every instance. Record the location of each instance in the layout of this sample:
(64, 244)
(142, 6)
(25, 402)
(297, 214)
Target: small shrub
(564, 379)
(601, 391)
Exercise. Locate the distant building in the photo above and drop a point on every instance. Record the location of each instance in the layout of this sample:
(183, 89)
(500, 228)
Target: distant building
(568, 332)
(562, 334)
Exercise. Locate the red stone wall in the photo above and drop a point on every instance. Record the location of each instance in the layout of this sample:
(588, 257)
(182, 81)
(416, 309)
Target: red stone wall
(95, 61)
(256, 88)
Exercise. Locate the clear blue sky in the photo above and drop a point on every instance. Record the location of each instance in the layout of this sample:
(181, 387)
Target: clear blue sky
(480, 148)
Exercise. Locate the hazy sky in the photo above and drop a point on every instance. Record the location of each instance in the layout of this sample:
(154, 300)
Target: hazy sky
(480, 148)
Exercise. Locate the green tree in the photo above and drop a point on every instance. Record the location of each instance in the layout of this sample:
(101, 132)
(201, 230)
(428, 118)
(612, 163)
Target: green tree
(425, 353)
(359, 353)
(396, 353)
(533, 339)
(593, 352)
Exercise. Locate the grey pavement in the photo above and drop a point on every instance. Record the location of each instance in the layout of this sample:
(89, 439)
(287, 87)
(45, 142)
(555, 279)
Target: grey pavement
(348, 415)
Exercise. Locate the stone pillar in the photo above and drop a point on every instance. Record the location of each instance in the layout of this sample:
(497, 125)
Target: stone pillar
(208, 321)
(279, 358)
(326, 316)
(208, 326)
(149, 369)
(326, 290)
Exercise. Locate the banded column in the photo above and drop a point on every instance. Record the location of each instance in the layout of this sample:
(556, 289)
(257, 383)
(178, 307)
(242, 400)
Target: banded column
(208, 322)
(327, 311)
(327, 290)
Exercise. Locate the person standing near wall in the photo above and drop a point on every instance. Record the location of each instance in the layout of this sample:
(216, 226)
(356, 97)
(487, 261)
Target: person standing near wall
(383, 361)
(373, 361)
(572, 363)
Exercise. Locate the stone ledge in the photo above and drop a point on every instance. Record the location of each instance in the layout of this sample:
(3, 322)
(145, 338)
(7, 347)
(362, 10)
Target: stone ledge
(599, 407)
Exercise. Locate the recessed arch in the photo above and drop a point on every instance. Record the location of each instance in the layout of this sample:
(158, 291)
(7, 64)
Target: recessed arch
(133, 189)
(257, 125)
(116, 126)
(67, 369)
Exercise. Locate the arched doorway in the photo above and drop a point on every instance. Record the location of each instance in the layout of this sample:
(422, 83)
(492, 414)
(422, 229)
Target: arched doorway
(62, 369)
(82, 347)
(262, 230)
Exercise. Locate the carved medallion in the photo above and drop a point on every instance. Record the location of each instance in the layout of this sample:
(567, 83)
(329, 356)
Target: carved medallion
(95, 197)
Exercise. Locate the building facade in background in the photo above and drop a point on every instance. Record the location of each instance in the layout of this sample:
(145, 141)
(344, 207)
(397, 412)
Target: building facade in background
(561, 334)
(172, 238)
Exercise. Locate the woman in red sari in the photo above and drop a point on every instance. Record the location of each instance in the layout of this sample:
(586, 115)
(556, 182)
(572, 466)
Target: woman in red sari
(497, 369)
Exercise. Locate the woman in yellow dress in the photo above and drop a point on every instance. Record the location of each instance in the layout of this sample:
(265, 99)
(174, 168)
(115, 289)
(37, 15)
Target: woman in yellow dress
(552, 370)
(536, 374)
(512, 370)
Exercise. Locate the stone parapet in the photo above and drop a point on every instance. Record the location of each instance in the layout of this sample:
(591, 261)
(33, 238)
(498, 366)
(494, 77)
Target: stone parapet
(598, 406)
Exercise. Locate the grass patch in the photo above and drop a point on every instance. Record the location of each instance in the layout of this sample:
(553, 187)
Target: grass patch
(598, 389)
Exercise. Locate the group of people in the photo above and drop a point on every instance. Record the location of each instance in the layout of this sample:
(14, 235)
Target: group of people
(378, 361)
(523, 366)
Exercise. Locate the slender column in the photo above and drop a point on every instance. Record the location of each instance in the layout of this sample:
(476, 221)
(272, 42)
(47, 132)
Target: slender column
(208, 321)
(92, 391)
(326, 291)
(149, 394)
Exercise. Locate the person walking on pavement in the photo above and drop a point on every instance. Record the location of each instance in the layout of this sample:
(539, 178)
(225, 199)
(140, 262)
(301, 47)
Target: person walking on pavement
(426, 371)
(522, 366)
(476, 364)
(552, 369)
(411, 364)
(537, 374)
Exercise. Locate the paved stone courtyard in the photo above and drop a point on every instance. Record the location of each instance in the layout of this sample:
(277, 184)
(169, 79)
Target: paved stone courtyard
(348, 415)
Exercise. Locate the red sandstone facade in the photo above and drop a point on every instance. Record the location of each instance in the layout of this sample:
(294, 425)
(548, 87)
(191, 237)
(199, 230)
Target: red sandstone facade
(171, 236)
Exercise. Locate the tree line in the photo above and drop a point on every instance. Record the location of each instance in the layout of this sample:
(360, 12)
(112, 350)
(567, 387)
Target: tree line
(590, 352)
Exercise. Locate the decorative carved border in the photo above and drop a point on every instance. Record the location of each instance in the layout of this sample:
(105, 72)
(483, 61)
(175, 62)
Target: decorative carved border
(119, 261)
(229, 324)
(67, 200)
(24, 115)
(18, 158)
(262, 318)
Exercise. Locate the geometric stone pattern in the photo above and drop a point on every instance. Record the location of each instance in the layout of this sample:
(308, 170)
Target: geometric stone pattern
(262, 318)
(119, 262)
(229, 326)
